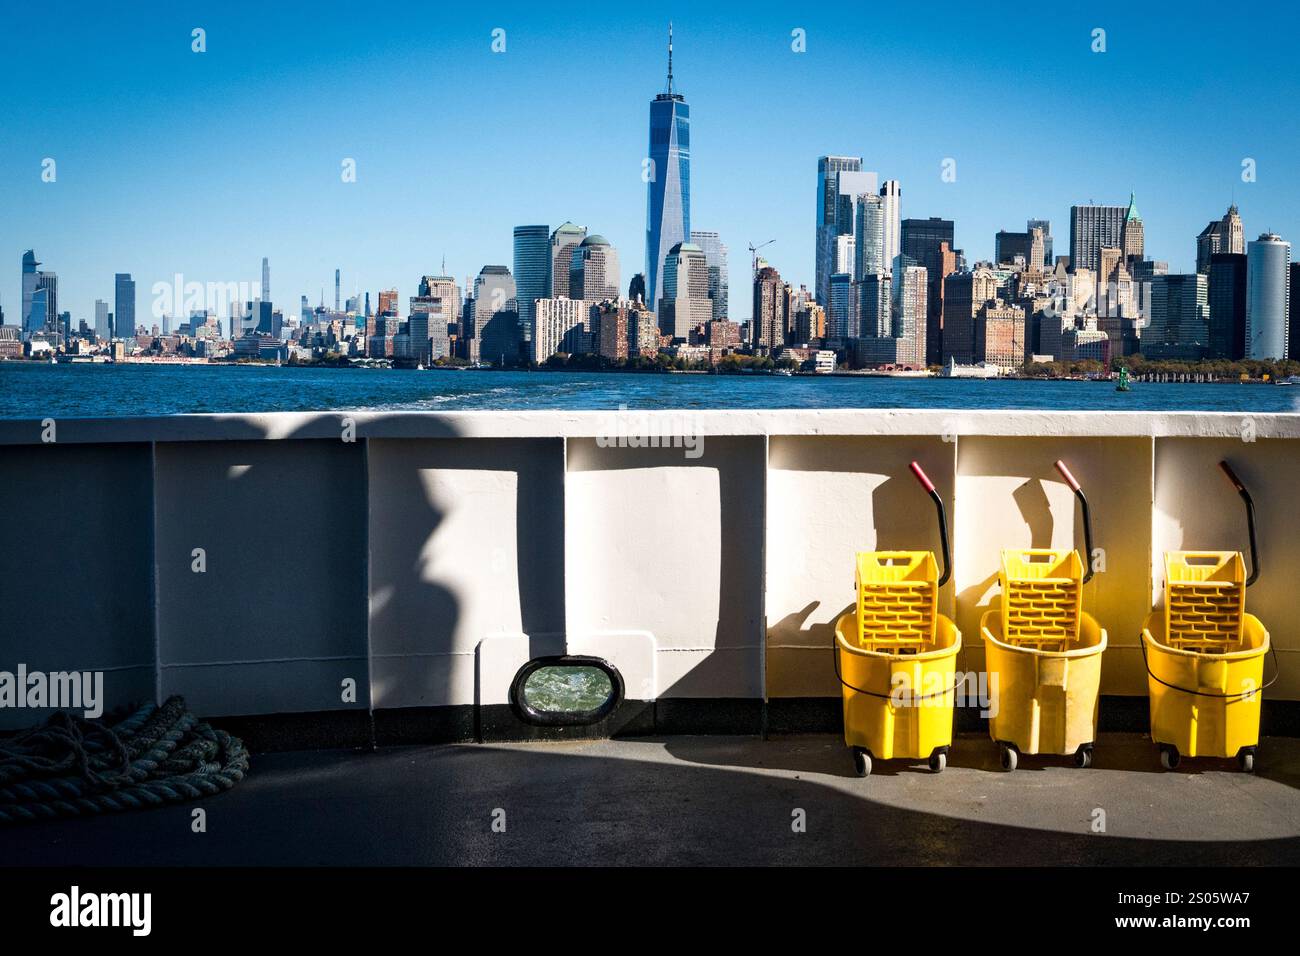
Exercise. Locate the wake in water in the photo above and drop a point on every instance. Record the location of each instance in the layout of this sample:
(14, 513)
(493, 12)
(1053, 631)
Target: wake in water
(31, 390)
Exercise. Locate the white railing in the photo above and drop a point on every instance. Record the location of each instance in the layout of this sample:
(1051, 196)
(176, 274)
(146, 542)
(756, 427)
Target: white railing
(258, 563)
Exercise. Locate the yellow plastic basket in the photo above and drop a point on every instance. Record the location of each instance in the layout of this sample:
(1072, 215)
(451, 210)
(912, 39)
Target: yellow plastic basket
(1205, 600)
(1041, 598)
(897, 600)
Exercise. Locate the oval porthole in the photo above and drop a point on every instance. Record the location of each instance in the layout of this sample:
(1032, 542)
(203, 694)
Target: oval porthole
(566, 691)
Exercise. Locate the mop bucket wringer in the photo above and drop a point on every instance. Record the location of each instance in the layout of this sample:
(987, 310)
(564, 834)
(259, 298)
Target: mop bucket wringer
(1043, 652)
(895, 655)
(1205, 655)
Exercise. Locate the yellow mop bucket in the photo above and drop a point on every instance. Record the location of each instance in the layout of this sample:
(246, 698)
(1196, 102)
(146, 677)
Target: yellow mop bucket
(1046, 701)
(898, 705)
(1043, 652)
(1205, 655)
(895, 656)
(1205, 704)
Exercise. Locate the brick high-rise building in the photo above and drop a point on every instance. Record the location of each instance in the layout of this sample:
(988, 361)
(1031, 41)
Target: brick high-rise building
(947, 263)
(1000, 335)
(642, 331)
(612, 325)
(810, 323)
(964, 293)
(770, 303)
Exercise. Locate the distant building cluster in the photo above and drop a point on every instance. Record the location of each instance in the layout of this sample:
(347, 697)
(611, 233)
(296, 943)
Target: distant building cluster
(889, 293)
(899, 295)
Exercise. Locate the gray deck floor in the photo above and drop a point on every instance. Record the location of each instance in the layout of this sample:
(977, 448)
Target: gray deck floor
(705, 800)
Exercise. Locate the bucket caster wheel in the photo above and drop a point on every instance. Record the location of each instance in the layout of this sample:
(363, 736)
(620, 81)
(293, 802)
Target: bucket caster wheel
(1246, 759)
(861, 762)
(1169, 758)
(938, 760)
(1008, 757)
(1083, 756)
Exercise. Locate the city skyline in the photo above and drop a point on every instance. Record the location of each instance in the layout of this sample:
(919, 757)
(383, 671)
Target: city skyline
(104, 215)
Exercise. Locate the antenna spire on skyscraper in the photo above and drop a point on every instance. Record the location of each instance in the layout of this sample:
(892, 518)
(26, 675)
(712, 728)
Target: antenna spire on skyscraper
(670, 56)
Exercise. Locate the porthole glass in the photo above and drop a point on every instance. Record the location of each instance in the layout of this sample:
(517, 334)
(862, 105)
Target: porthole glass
(560, 691)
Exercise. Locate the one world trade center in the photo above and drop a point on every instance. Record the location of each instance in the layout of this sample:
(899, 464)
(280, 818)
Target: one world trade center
(668, 197)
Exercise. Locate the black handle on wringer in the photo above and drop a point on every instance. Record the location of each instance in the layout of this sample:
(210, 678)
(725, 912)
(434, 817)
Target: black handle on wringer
(1087, 516)
(928, 485)
(1250, 520)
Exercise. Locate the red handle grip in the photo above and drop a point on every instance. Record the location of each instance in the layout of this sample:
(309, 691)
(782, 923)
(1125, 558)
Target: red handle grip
(922, 477)
(1069, 478)
(1232, 476)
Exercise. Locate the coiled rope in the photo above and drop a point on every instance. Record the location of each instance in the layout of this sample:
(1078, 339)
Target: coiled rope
(70, 766)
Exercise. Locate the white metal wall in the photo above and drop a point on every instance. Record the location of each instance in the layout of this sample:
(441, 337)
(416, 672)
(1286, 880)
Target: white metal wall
(828, 498)
(432, 556)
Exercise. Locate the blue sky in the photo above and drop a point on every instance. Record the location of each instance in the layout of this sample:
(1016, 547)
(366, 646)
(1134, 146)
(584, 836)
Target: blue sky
(170, 161)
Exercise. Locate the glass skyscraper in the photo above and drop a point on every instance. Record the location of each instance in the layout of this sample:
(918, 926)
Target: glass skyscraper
(891, 199)
(828, 170)
(668, 192)
(840, 181)
(839, 315)
(124, 306)
(715, 254)
(1091, 229)
(40, 298)
(496, 317)
(1268, 266)
(532, 274)
(31, 280)
(48, 282)
(1227, 301)
(39, 309)
(869, 240)
(1179, 328)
